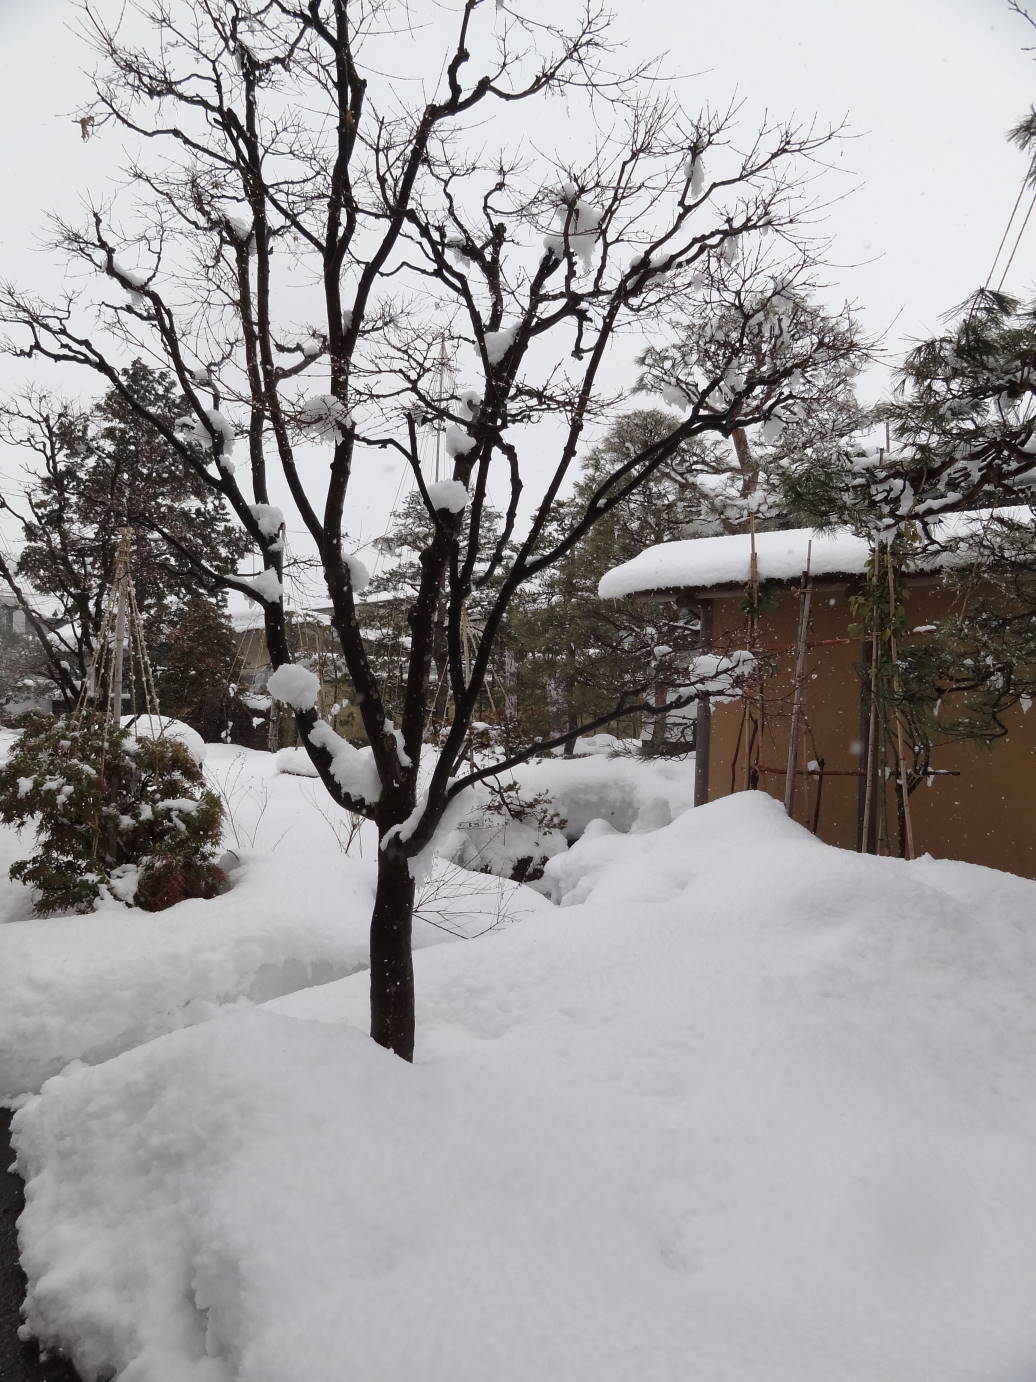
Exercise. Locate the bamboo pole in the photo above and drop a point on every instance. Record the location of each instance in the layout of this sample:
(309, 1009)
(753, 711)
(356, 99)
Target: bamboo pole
(121, 611)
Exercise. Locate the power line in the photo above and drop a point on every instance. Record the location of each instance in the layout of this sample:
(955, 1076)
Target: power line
(1007, 231)
(1014, 250)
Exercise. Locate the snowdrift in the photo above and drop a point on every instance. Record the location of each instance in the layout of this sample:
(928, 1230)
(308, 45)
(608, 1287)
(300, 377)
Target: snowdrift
(751, 1109)
(84, 988)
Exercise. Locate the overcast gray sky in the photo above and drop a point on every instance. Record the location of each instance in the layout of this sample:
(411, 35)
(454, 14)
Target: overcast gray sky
(929, 88)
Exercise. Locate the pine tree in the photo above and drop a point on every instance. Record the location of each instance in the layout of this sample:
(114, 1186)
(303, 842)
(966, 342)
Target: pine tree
(103, 471)
(576, 654)
(390, 594)
(804, 424)
(194, 666)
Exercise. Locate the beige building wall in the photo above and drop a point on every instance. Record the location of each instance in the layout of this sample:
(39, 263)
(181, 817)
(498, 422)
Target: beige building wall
(985, 814)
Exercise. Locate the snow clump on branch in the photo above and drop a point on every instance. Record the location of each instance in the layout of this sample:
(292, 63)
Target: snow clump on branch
(135, 279)
(353, 769)
(577, 225)
(294, 685)
(195, 430)
(324, 416)
(359, 576)
(240, 228)
(267, 585)
(458, 441)
(451, 495)
(269, 518)
(694, 172)
(498, 343)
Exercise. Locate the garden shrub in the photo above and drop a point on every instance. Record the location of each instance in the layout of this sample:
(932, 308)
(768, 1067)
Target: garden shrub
(115, 816)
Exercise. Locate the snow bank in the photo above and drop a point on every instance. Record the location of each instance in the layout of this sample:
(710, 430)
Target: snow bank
(704, 562)
(766, 1123)
(87, 987)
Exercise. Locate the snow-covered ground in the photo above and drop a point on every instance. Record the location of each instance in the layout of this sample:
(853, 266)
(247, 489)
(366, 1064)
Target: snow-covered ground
(744, 1108)
(298, 913)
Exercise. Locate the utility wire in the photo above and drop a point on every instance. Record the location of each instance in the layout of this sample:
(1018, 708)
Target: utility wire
(1018, 240)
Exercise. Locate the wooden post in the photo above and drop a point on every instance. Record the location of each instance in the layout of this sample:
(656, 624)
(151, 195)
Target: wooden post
(703, 727)
(904, 799)
(805, 594)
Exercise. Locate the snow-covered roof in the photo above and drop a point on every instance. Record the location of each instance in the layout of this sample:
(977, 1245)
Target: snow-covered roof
(704, 563)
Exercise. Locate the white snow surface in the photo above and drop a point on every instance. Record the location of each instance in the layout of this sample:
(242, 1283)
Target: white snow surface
(162, 727)
(295, 761)
(752, 1109)
(704, 562)
(84, 988)
(631, 794)
(294, 685)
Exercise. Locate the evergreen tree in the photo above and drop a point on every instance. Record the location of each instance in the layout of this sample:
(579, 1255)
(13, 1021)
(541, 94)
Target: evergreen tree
(194, 667)
(575, 653)
(805, 422)
(388, 598)
(103, 471)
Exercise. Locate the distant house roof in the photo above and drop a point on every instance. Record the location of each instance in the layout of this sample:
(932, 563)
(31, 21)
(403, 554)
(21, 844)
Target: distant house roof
(705, 563)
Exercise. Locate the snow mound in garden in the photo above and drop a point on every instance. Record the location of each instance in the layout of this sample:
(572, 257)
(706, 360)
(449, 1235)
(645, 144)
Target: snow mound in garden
(162, 727)
(758, 1110)
(87, 987)
(84, 988)
(296, 762)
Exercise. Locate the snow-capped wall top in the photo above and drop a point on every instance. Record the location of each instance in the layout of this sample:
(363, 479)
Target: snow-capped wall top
(703, 563)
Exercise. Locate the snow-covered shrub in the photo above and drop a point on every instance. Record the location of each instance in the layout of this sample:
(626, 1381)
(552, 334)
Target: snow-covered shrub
(506, 834)
(115, 816)
(533, 812)
(633, 795)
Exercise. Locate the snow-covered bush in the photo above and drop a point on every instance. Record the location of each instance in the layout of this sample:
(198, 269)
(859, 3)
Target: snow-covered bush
(506, 834)
(533, 812)
(115, 816)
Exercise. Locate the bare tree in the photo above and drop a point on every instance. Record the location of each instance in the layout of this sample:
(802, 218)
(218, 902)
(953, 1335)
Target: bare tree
(291, 165)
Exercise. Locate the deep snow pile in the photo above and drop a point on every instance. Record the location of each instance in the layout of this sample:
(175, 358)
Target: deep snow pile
(757, 1111)
(298, 913)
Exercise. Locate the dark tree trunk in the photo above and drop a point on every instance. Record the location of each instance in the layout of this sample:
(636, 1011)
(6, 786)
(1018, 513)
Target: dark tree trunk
(392, 967)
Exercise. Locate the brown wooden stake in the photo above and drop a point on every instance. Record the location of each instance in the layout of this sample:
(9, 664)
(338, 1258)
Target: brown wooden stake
(752, 712)
(872, 737)
(904, 797)
(805, 593)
